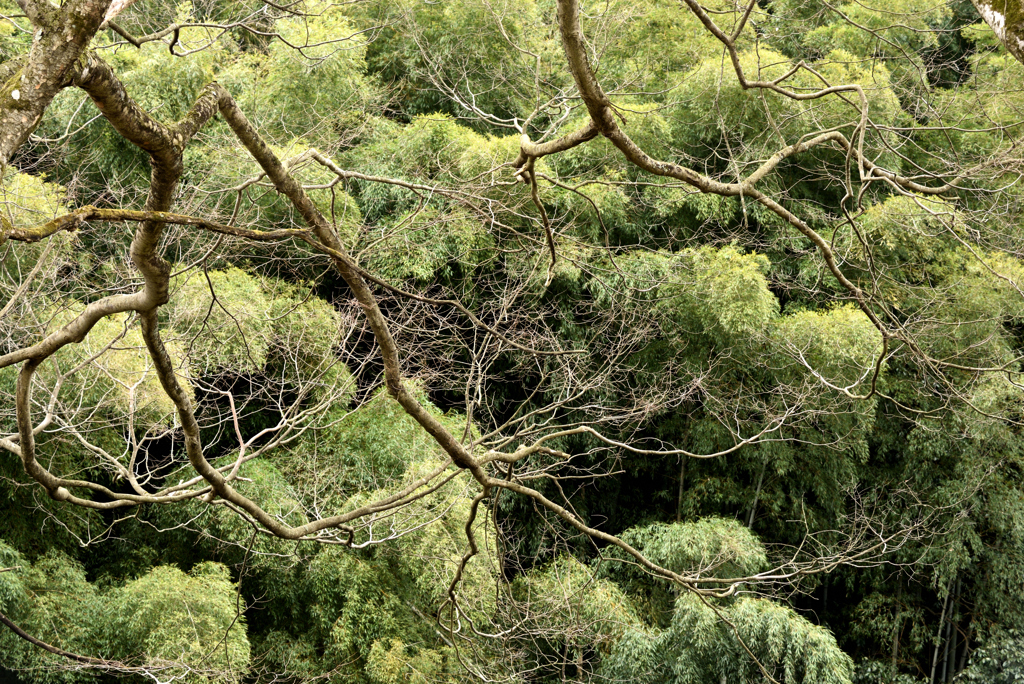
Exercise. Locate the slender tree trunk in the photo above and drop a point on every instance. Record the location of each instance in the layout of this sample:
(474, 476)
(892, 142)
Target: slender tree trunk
(757, 494)
(952, 661)
(951, 632)
(938, 640)
(967, 644)
(896, 628)
(682, 480)
(945, 650)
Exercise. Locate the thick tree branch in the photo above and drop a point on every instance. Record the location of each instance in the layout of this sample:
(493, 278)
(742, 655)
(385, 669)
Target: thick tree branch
(603, 116)
(290, 188)
(1006, 18)
(74, 220)
(61, 37)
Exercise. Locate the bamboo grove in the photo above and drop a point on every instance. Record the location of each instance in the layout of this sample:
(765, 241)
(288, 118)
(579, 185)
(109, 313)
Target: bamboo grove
(511, 340)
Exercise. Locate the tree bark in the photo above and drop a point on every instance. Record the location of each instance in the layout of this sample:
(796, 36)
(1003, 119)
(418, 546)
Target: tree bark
(938, 640)
(757, 494)
(30, 84)
(951, 634)
(896, 627)
(967, 644)
(682, 480)
(1006, 18)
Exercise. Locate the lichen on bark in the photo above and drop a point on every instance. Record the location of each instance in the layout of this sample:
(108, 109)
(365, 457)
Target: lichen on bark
(1006, 18)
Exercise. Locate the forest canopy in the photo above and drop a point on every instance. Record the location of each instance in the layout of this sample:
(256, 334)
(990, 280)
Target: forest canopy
(511, 340)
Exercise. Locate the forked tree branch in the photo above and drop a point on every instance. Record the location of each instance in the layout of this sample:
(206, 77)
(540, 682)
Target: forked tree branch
(166, 145)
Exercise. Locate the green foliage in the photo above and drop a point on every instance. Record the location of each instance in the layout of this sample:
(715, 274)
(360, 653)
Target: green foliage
(163, 84)
(956, 298)
(11, 588)
(370, 612)
(166, 84)
(423, 45)
(840, 344)
(426, 244)
(712, 547)
(717, 114)
(114, 370)
(172, 617)
(638, 274)
(319, 89)
(274, 493)
(395, 664)
(578, 615)
(789, 646)
(185, 624)
(232, 322)
(1001, 661)
(226, 315)
(703, 644)
(430, 147)
(694, 639)
(360, 451)
(898, 28)
(28, 201)
(653, 39)
(56, 604)
(225, 166)
(726, 292)
(15, 31)
(720, 316)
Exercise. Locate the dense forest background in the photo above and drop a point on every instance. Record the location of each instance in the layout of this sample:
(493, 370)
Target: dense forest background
(833, 473)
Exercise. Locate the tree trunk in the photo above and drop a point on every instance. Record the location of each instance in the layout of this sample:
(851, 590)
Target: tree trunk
(951, 631)
(945, 651)
(682, 480)
(938, 640)
(896, 627)
(27, 86)
(967, 644)
(1006, 18)
(757, 494)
